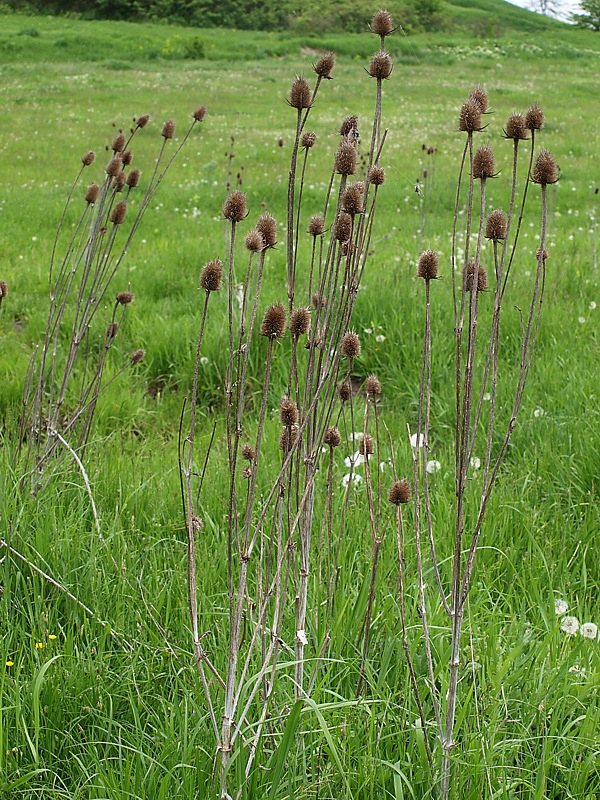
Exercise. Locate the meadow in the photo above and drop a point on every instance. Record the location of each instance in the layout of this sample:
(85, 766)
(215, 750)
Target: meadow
(100, 695)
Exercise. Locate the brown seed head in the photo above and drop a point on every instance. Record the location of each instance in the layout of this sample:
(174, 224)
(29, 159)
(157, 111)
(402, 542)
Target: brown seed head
(372, 386)
(247, 473)
(347, 248)
(352, 201)
(332, 438)
(400, 492)
(480, 98)
(248, 452)
(287, 438)
(350, 346)
(308, 140)
(126, 158)
(114, 166)
(366, 446)
(168, 129)
(299, 322)
(211, 276)
(495, 227)
(254, 241)
(381, 65)
(137, 355)
(427, 267)
(235, 208)
(545, 254)
(118, 142)
(318, 301)
(483, 164)
(345, 159)
(111, 331)
(545, 169)
(325, 65)
(124, 298)
(267, 227)
(382, 23)
(469, 119)
(117, 215)
(316, 226)
(348, 125)
(119, 182)
(288, 412)
(142, 121)
(300, 94)
(515, 127)
(133, 178)
(92, 193)
(344, 392)
(273, 324)
(482, 281)
(376, 176)
(199, 113)
(88, 158)
(343, 227)
(3, 290)
(534, 118)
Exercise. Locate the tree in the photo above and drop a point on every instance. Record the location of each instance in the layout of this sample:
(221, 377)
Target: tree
(591, 16)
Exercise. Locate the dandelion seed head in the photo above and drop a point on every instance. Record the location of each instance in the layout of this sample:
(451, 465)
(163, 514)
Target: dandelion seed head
(433, 466)
(560, 606)
(570, 625)
(589, 630)
(355, 477)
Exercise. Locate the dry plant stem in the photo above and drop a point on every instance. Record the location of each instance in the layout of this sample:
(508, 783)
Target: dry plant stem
(521, 213)
(290, 211)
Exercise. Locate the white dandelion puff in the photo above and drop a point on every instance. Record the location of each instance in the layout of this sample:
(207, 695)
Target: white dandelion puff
(475, 462)
(570, 625)
(380, 338)
(560, 606)
(356, 479)
(589, 630)
(433, 466)
(538, 412)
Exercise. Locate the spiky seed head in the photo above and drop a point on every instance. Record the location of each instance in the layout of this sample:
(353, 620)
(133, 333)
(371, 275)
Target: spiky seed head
(381, 65)
(3, 290)
(332, 438)
(199, 113)
(382, 23)
(373, 386)
(469, 119)
(287, 439)
(211, 276)
(247, 473)
(348, 125)
(92, 193)
(267, 227)
(316, 226)
(515, 127)
(350, 346)
(248, 452)
(114, 166)
(119, 181)
(366, 446)
(299, 322)
(235, 208)
(318, 301)
(133, 178)
(88, 158)
(495, 228)
(480, 97)
(125, 298)
(543, 254)
(126, 158)
(376, 175)
(142, 121)
(400, 492)
(168, 129)
(545, 169)
(325, 64)
(343, 227)
(300, 94)
(137, 356)
(345, 159)
(352, 201)
(347, 248)
(427, 266)
(534, 118)
(288, 412)
(111, 331)
(344, 392)
(483, 164)
(254, 241)
(482, 281)
(308, 140)
(117, 215)
(273, 324)
(118, 143)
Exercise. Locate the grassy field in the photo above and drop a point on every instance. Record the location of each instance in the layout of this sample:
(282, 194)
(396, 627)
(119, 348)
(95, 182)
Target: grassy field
(99, 694)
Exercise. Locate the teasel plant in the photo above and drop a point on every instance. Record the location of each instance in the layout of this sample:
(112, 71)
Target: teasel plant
(476, 376)
(270, 509)
(64, 383)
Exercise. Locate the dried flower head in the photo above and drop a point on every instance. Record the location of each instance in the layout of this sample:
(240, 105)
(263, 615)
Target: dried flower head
(382, 23)
(235, 208)
(114, 166)
(515, 127)
(483, 164)
(469, 119)
(545, 169)
(543, 254)
(352, 201)
(345, 159)
(168, 129)
(373, 386)
(480, 97)
(495, 227)
(427, 267)
(318, 300)
(88, 158)
(125, 298)
(316, 226)
(119, 181)
(133, 178)
(332, 438)
(247, 473)
(324, 66)
(381, 65)
(3, 291)
(287, 439)
(267, 227)
(376, 175)
(300, 94)
(288, 412)
(273, 324)
(400, 492)
(342, 230)
(254, 241)
(347, 248)
(248, 452)
(350, 346)
(366, 446)
(142, 121)
(534, 118)
(308, 140)
(349, 126)
(199, 113)
(111, 331)
(299, 322)
(482, 281)
(118, 143)
(344, 392)
(117, 215)
(126, 158)
(137, 356)
(92, 193)
(211, 276)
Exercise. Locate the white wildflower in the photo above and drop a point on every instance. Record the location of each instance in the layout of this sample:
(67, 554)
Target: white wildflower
(355, 460)
(560, 606)
(487, 397)
(301, 636)
(413, 441)
(592, 305)
(570, 625)
(203, 360)
(539, 412)
(433, 466)
(582, 320)
(368, 330)
(380, 338)
(356, 479)
(475, 462)
(589, 630)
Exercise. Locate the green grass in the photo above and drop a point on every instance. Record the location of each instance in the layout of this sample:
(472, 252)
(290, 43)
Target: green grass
(106, 721)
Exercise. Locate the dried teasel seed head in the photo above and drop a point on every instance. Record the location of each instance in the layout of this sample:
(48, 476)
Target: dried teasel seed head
(381, 65)
(350, 346)
(287, 439)
(126, 158)
(247, 473)
(344, 392)
(482, 281)
(332, 438)
(480, 97)
(119, 182)
(382, 23)
(308, 140)
(300, 94)
(366, 446)
(111, 330)
(133, 178)
(544, 254)
(347, 248)
(137, 356)
(211, 276)
(235, 208)
(349, 125)
(267, 227)
(483, 164)
(495, 227)
(199, 113)
(469, 119)
(534, 118)
(352, 201)
(345, 159)
(114, 166)
(273, 324)
(117, 215)
(545, 169)
(88, 158)
(342, 230)
(373, 386)
(196, 523)
(400, 492)
(118, 142)
(124, 298)
(142, 121)
(318, 301)
(299, 322)
(254, 241)
(515, 127)
(168, 129)
(288, 412)
(427, 267)
(3, 290)
(248, 452)
(92, 193)
(325, 65)
(376, 176)
(316, 226)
